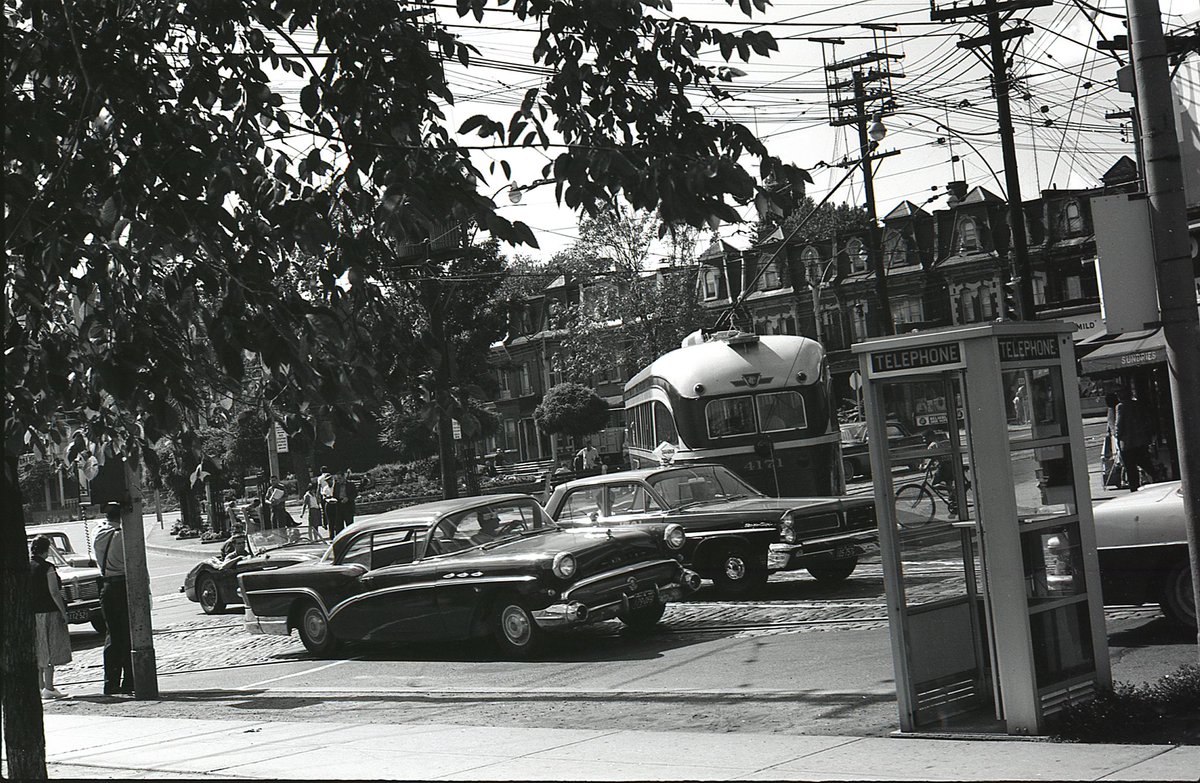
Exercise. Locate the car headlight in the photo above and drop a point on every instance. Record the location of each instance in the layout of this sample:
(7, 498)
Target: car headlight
(787, 528)
(674, 536)
(564, 565)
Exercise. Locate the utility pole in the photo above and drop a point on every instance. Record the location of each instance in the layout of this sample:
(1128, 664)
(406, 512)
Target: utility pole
(137, 583)
(865, 110)
(1172, 262)
(994, 14)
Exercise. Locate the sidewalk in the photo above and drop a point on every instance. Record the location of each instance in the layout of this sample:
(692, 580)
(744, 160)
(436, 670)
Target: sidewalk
(117, 747)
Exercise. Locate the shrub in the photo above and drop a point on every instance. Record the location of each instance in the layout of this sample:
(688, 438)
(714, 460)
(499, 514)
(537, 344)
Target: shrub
(1164, 711)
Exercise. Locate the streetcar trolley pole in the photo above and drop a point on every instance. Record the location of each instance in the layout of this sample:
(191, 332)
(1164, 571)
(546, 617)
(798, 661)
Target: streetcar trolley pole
(1004, 497)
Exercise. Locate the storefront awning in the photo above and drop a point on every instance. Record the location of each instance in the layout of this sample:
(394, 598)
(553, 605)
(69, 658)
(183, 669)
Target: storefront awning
(1119, 352)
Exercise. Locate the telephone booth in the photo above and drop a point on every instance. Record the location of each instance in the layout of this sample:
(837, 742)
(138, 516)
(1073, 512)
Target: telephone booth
(985, 526)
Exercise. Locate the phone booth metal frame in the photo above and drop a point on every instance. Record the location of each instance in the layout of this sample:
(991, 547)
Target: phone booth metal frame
(1003, 506)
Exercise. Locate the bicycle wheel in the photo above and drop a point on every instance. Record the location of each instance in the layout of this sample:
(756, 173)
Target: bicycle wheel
(914, 505)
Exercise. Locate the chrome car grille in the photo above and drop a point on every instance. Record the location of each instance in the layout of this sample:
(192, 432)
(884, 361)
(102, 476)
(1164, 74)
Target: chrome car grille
(82, 591)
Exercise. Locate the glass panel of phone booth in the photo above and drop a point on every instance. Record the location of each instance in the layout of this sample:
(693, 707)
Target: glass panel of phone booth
(939, 559)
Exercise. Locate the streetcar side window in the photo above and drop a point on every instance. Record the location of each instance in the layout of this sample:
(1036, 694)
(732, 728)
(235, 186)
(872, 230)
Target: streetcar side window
(649, 424)
(730, 416)
(781, 411)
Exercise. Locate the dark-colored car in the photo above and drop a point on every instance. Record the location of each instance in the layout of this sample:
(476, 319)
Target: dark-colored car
(469, 568)
(735, 534)
(856, 455)
(213, 582)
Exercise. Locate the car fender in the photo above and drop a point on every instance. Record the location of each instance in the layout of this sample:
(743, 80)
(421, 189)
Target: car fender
(707, 550)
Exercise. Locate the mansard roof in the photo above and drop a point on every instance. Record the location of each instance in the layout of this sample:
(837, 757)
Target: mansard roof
(718, 249)
(981, 195)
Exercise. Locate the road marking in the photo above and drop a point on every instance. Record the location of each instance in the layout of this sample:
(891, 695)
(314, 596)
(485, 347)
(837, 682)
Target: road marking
(297, 674)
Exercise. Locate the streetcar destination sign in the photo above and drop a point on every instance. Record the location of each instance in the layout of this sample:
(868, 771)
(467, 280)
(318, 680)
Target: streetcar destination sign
(916, 358)
(1013, 349)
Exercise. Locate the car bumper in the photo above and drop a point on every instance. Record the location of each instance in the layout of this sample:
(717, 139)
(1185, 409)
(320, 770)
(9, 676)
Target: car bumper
(269, 626)
(785, 557)
(566, 614)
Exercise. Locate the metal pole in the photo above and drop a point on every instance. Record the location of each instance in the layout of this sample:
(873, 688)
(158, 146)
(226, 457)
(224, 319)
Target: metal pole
(1172, 264)
(137, 584)
(866, 147)
(272, 450)
(1012, 179)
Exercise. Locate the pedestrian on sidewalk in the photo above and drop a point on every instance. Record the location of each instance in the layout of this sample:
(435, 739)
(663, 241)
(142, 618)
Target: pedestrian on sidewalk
(347, 498)
(312, 509)
(52, 640)
(114, 603)
(1134, 435)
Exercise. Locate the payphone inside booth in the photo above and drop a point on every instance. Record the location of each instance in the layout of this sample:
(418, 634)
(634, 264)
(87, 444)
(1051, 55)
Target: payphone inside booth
(985, 526)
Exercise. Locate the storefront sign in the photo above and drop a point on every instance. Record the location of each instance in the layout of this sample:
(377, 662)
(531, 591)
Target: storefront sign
(942, 356)
(1016, 349)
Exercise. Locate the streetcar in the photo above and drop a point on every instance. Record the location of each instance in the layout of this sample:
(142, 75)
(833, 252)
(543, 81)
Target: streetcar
(758, 404)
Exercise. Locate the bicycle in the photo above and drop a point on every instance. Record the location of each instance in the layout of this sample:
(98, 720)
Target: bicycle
(916, 503)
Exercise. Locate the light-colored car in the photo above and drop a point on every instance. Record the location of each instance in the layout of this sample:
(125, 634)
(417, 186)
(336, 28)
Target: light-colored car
(1143, 551)
(80, 584)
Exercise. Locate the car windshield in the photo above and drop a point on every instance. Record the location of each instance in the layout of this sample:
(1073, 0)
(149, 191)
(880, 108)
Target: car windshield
(266, 540)
(854, 433)
(702, 484)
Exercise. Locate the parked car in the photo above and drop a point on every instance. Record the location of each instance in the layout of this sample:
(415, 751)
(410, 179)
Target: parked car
(735, 535)
(62, 543)
(1143, 551)
(213, 582)
(856, 455)
(469, 568)
(80, 584)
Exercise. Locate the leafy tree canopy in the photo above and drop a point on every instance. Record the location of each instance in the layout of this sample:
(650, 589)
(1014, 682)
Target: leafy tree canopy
(572, 409)
(172, 215)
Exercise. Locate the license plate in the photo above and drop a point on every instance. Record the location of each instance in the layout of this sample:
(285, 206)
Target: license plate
(78, 615)
(844, 552)
(638, 600)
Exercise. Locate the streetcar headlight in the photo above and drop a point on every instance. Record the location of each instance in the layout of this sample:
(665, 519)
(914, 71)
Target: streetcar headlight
(564, 565)
(787, 528)
(674, 537)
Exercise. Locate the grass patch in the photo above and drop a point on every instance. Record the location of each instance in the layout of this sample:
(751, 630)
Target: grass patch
(1163, 712)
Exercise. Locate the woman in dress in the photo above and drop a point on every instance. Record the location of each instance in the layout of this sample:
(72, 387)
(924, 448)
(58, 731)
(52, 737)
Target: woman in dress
(52, 640)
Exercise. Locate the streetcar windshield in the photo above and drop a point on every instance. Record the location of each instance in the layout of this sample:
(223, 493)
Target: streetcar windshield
(701, 484)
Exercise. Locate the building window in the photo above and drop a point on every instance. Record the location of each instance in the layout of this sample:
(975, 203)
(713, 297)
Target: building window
(895, 250)
(907, 310)
(712, 284)
(554, 367)
(1072, 219)
(968, 234)
(857, 253)
(526, 380)
(502, 382)
(770, 277)
(811, 259)
(858, 318)
(553, 314)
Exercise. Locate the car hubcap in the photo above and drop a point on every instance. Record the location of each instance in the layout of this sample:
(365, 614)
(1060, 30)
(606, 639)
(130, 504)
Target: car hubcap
(314, 625)
(735, 568)
(515, 624)
(208, 594)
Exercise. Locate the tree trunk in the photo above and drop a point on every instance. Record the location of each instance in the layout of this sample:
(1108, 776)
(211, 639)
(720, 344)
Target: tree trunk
(189, 504)
(21, 704)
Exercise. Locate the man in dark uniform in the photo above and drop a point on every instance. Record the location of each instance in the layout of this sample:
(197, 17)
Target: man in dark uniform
(114, 603)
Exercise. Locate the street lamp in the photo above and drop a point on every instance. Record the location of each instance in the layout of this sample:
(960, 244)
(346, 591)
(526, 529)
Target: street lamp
(877, 130)
(868, 141)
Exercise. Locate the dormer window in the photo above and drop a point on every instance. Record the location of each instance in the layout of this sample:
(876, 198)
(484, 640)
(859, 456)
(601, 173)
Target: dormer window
(712, 284)
(810, 257)
(1072, 220)
(895, 250)
(857, 253)
(968, 234)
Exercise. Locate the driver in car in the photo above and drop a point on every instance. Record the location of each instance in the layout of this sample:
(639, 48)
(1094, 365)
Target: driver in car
(489, 526)
(236, 545)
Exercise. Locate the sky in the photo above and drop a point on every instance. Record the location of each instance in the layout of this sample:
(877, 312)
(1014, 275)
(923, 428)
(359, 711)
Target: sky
(945, 127)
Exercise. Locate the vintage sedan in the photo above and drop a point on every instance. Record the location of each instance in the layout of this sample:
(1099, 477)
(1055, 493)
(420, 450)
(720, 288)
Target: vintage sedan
(469, 568)
(213, 582)
(856, 444)
(1143, 551)
(62, 543)
(735, 534)
(81, 587)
